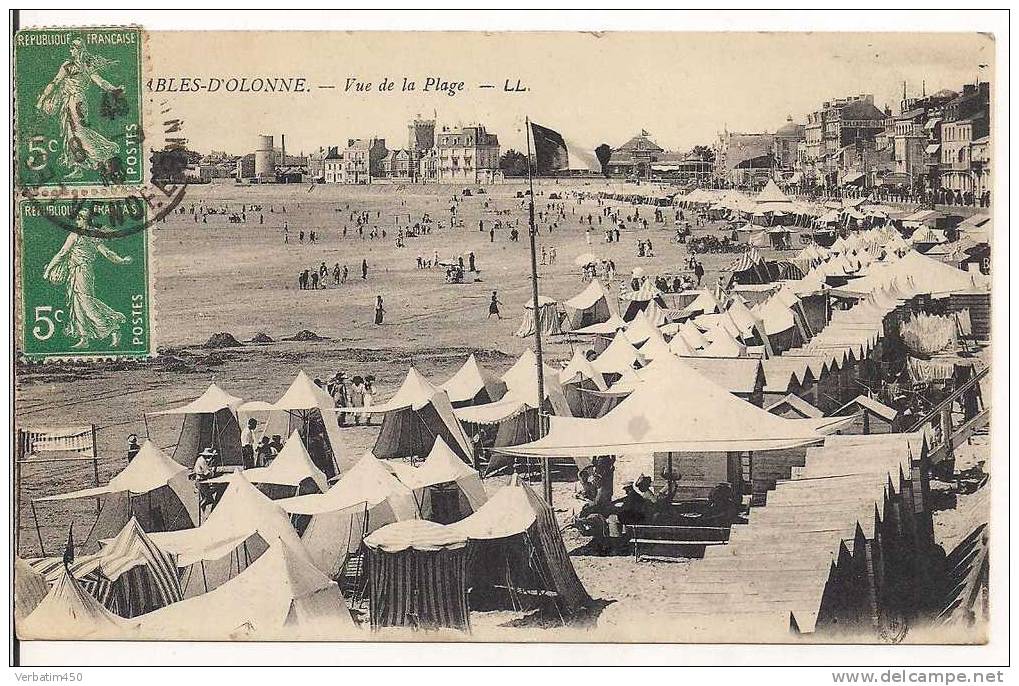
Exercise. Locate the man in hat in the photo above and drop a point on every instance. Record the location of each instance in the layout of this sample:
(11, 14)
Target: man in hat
(204, 470)
(132, 447)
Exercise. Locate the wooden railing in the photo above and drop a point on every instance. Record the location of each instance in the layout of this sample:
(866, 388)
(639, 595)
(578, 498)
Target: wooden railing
(949, 435)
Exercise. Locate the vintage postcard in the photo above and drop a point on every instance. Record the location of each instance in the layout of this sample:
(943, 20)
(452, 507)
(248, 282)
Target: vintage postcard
(627, 337)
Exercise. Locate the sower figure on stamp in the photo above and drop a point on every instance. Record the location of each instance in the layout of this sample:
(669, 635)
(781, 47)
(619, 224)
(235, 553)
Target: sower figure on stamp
(88, 317)
(65, 97)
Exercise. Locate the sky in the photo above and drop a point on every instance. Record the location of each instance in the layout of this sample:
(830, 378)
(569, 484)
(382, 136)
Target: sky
(683, 88)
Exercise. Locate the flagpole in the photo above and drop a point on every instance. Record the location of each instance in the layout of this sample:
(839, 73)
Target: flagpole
(546, 480)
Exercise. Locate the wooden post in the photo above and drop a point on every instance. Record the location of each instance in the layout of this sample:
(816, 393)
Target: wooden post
(19, 455)
(546, 476)
(95, 465)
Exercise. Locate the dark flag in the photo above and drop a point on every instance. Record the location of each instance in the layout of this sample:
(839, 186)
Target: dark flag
(69, 549)
(553, 153)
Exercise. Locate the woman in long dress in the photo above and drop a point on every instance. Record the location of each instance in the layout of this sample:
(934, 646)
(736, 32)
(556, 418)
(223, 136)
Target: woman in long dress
(88, 317)
(66, 98)
(367, 398)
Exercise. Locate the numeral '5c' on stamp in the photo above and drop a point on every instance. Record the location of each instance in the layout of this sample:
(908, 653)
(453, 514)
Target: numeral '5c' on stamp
(79, 109)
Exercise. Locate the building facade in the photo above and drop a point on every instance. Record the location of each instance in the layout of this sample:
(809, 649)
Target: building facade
(364, 160)
(467, 154)
(787, 140)
(635, 157)
(967, 121)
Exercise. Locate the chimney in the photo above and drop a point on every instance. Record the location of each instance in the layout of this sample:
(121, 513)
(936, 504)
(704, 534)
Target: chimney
(283, 145)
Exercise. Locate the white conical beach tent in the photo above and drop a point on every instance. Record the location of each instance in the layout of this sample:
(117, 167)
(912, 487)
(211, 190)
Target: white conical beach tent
(308, 409)
(442, 466)
(619, 357)
(472, 384)
(365, 498)
(68, 612)
(281, 596)
(210, 421)
(237, 532)
(152, 488)
(414, 416)
(293, 467)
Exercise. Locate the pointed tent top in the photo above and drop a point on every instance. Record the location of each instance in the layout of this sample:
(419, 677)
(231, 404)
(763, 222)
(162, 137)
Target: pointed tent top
(280, 578)
(776, 316)
(640, 329)
(441, 466)
(469, 380)
(242, 512)
(679, 346)
(772, 194)
(580, 368)
(656, 348)
(415, 392)
(70, 612)
(507, 513)
(212, 400)
(292, 466)
(522, 378)
(303, 394)
(619, 356)
(724, 345)
(367, 482)
(705, 302)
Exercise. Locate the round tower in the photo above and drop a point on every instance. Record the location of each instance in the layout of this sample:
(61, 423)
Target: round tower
(264, 163)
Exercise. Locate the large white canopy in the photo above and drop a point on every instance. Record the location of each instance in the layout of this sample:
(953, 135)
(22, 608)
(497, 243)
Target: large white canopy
(242, 512)
(150, 469)
(212, 400)
(677, 410)
(367, 482)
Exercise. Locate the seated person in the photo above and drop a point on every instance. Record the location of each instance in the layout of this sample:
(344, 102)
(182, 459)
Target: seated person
(264, 453)
(205, 469)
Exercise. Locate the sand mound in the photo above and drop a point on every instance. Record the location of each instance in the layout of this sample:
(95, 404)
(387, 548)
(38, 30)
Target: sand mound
(262, 337)
(306, 335)
(222, 340)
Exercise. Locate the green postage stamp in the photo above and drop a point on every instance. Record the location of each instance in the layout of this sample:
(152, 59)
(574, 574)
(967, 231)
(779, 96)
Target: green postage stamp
(84, 279)
(78, 102)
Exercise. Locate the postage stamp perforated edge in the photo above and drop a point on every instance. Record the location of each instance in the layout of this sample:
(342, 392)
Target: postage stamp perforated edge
(152, 112)
(51, 315)
(63, 187)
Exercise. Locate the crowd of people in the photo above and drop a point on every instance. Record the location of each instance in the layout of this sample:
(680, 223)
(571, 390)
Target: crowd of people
(317, 278)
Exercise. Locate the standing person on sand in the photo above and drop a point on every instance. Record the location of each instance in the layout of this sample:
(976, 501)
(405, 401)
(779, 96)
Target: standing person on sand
(493, 307)
(380, 311)
(364, 270)
(368, 398)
